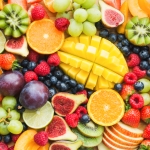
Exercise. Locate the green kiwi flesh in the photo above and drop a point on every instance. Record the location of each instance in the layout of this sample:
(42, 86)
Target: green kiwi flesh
(86, 148)
(137, 31)
(90, 129)
(14, 20)
(87, 141)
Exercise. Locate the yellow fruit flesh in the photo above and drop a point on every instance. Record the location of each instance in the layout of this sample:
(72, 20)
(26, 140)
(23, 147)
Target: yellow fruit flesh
(87, 59)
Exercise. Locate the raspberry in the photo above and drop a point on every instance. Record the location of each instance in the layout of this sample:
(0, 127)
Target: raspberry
(130, 78)
(33, 56)
(72, 120)
(41, 138)
(139, 73)
(11, 148)
(81, 111)
(133, 60)
(85, 93)
(3, 146)
(136, 101)
(38, 12)
(15, 137)
(30, 75)
(42, 69)
(62, 24)
(53, 59)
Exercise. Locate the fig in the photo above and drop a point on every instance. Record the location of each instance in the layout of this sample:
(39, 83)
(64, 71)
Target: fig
(34, 95)
(66, 103)
(17, 46)
(65, 145)
(11, 83)
(58, 129)
(111, 17)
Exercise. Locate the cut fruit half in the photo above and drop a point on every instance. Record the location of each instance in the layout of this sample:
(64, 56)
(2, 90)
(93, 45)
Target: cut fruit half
(39, 118)
(2, 41)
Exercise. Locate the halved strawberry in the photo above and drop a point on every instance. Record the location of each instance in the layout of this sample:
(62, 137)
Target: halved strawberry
(114, 3)
(33, 1)
(22, 3)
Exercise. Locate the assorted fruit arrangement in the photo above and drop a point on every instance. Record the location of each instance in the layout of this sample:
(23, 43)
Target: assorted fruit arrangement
(74, 75)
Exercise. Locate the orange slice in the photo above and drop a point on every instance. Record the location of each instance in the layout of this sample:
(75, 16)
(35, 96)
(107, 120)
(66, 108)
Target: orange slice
(46, 147)
(49, 5)
(145, 5)
(44, 37)
(105, 107)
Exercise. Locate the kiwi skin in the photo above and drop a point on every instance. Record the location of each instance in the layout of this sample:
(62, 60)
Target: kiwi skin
(137, 31)
(90, 129)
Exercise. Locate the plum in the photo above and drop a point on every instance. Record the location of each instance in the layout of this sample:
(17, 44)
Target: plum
(11, 83)
(34, 95)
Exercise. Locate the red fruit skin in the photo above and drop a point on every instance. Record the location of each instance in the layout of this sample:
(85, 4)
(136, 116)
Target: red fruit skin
(22, 3)
(33, 1)
(114, 3)
(130, 78)
(15, 137)
(53, 59)
(62, 24)
(81, 110)
(30, 75)
(126, 91)
(131, 117)
(3, 146)
(145, 143)
(33, 56)
(139, 73)
(11, 148)
(146, 132)
(145, 114)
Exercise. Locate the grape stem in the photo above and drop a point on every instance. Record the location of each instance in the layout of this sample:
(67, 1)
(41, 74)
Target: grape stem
(4, 119)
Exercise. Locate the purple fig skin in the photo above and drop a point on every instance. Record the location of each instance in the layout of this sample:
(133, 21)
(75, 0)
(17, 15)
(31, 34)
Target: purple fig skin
(11, 83)
(34, 95)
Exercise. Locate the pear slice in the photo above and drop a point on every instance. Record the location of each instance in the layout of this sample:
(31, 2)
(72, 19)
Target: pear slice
(58, 129)
(65, 144)
(66, 103)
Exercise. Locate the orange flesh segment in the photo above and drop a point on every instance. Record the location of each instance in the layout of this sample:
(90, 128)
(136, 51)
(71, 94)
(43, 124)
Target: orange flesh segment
(46, 147)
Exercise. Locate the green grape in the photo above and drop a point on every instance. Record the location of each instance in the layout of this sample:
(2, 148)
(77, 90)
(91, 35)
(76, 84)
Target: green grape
(3, 113)
(96, 6)
(80, 15)
(61, 5)
(80, 1)
(75, 28)
(15, 127)
(67, 15)
(3, 129)
(9, 102)
(146, 83)
(76, 5)
(94, 15)
(88, 4)
(89, 28)
(146, 98)
(15, 115)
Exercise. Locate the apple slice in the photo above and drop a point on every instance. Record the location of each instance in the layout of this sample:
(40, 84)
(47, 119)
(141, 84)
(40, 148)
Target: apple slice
(118, 139)
(127, 130)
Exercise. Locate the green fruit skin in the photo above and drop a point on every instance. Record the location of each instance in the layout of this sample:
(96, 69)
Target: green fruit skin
(146, 98)
(3, 129)
(146, 83)
(3, 113)
(14, 115)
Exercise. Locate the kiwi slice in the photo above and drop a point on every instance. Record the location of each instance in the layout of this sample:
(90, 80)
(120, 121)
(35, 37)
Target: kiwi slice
(90, 129)
(14, 20)
(137, 31)
(86, 148)
(87, 141)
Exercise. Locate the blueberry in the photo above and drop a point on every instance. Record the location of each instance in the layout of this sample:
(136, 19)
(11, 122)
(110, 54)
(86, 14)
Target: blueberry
(144, 65)
(125, 42)
(104, 33)
(1, 137)
(53, 80)
(99, 25)
(119, 45)
(25, 127)
(65, 78)
(24, 70)
(58, 73)
(138, 86)
(74, 90)
(126, 51)
(89, 93)
(52, 92)
(19, 108)
(24, 63)
(112, 37)
(31, 65)
(148, 72)
(41, 78)
(58, 84)
(145, 48)
(72, 83)
(47, 83)
(118, 87)
(80, 87)
(136, 49)
(48, 76)
(144, 54)
(52, 68)
(7, 138)
(63, 87)
(85, 118)
(120, 37)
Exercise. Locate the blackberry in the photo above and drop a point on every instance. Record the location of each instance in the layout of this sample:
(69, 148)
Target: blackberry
(104, 33)
(24, 63)
(47, 83)
(125, 50)
(7, 138)
(144, 65)
(125, 42)
(72, 82)
(31, 65)
(136, 49)
(112, 37)
(53, 80)
(120, 37)
(85, 118)
(144, 54)
(58, 73)
(138, 86)
(80, 87)
(52, 92)
(118, 87)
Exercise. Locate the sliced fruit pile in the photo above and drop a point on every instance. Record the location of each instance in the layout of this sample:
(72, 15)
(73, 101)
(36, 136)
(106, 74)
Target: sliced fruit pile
(74, 74)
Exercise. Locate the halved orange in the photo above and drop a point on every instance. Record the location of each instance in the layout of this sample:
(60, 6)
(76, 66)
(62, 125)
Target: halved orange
(106, 107)
(44, 37)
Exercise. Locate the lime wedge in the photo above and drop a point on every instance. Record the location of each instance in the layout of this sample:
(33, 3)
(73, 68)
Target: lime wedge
(40, 117)
(2, 41)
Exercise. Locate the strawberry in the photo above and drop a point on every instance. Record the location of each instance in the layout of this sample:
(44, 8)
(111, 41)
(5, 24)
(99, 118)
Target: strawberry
(146, 132)
(126, 91)
(131, 117)
(114, 3)
(145, 114)
(22, 3)
(33, 1)
(145, 145)
(8, 61)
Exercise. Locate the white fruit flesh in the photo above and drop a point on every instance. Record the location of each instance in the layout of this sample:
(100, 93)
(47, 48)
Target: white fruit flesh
(102, 146)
